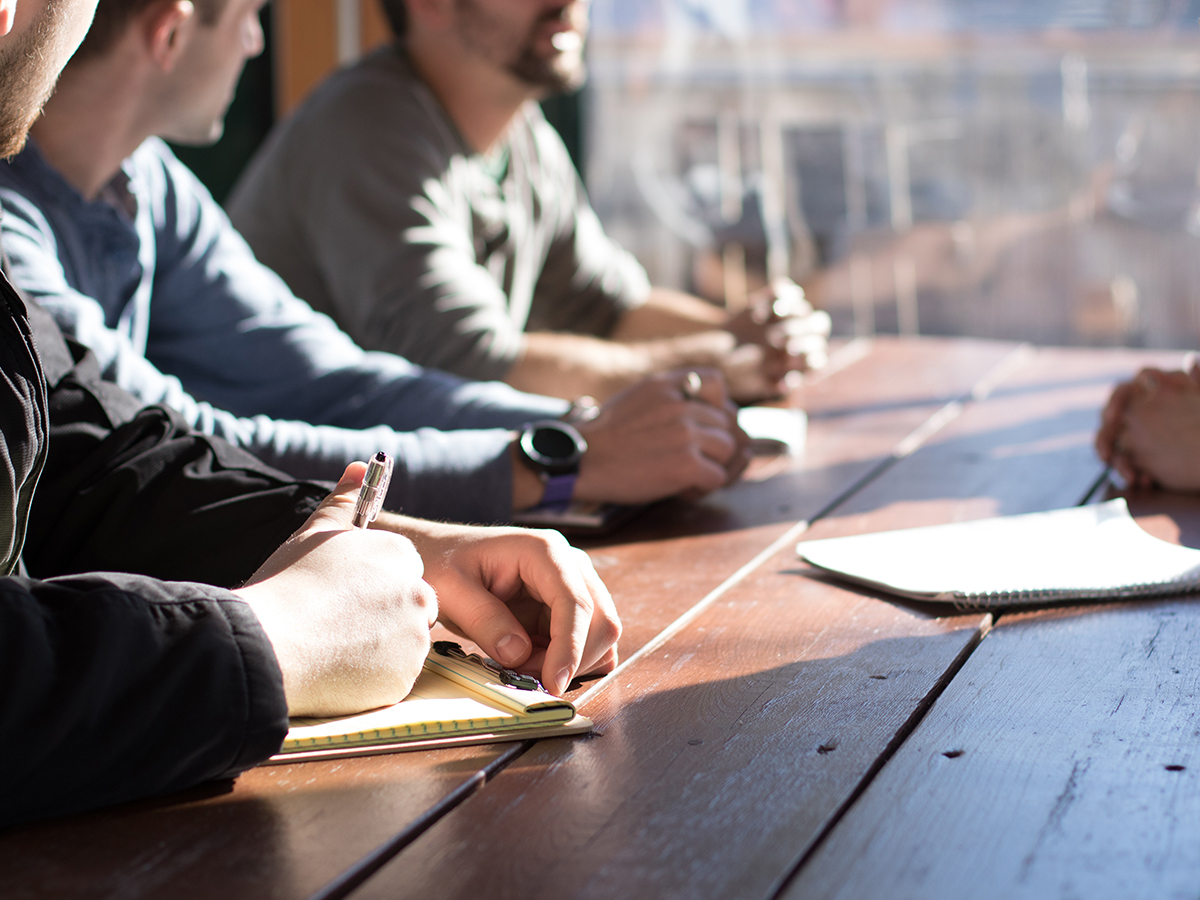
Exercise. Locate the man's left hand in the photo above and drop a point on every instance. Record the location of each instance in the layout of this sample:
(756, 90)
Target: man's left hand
(529, 599)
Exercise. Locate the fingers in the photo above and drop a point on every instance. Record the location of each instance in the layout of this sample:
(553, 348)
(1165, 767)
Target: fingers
(1112, 421)
(562, 587)
(501, 578)
(718, 448)
(703, 385)
(584, 625)
(600, 652)
(481, 616)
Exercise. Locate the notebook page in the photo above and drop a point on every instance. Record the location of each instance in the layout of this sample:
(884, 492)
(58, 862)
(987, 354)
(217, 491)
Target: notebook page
(1096, 549)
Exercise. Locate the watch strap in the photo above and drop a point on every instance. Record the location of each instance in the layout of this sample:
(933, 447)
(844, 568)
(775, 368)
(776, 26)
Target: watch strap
(558, 491)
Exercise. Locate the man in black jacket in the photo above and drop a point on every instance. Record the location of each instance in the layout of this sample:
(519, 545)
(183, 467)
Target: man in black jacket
(114, 685)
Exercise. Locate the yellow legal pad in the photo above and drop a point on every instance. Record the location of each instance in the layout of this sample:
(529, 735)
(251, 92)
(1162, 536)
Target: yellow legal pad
(456, 700)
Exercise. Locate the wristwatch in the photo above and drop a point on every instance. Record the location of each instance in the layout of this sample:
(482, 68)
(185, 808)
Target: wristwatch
(553, 449)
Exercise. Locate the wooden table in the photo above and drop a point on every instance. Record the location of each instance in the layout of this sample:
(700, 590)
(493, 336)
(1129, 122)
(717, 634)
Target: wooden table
(770, 734)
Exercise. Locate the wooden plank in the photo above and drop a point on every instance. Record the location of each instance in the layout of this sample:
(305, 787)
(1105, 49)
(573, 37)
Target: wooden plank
(1061, 762)
(287, 831)
(753, 724)
(675, 554)
(278, 831)
(729, 751)
(1011, 454)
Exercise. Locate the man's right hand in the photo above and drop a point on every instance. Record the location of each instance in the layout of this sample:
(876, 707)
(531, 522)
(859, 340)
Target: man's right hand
(345, 609)
(653, 440)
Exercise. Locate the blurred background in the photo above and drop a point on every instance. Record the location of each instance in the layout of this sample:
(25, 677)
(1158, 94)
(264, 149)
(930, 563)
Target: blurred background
(1018, 169)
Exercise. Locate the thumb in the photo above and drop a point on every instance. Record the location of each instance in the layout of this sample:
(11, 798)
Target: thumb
(337, 509)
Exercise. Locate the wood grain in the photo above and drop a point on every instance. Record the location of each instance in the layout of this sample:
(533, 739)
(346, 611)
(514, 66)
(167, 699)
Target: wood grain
(286, 831)
(793, 687)
(728, 752)
(719, 754)
(675, 554)
(1061, 762)
(278, 831)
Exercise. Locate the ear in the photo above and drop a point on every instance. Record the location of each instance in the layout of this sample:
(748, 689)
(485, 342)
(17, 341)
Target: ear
(165, 28)
(8, 12)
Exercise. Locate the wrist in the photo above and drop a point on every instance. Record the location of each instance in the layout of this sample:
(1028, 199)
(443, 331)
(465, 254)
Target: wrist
(551, 450)
(527, 487)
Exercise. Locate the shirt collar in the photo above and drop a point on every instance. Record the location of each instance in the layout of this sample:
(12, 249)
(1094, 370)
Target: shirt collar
(117, 195)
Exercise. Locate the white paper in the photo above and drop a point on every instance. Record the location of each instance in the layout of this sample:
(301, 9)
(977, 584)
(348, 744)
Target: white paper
(1088, 550)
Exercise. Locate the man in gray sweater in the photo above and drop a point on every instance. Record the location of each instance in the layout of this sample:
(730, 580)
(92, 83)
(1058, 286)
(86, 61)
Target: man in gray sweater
(421, 200)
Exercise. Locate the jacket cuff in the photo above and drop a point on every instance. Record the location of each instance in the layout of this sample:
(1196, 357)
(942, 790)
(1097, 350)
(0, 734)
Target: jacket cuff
(266, 704)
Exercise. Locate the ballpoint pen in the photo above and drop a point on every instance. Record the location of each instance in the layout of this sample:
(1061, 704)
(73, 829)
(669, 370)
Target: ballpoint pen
(374, 489)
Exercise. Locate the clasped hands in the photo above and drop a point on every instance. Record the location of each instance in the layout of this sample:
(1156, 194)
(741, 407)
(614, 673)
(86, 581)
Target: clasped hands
(778, 333)
(348, 611)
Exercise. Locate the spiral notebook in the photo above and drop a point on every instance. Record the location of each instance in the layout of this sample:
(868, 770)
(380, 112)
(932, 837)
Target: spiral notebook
(457, 699)
(1083, 553)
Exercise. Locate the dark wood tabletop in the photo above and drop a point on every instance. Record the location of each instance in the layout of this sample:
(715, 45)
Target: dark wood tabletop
(771, 733)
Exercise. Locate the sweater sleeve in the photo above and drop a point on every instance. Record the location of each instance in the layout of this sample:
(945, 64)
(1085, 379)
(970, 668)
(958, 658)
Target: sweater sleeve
(279, 380)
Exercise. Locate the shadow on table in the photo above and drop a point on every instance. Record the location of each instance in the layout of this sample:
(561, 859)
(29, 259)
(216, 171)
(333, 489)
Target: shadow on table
(712, 787)
(1043, 463)
(278, 831)
(832, 413)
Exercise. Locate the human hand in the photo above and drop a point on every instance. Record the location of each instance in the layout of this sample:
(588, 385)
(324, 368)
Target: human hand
(1108, 442)
(1112, 422)
(345, 610)
(1158, 442)
(789, 334)
(655, 440)
(528, 598)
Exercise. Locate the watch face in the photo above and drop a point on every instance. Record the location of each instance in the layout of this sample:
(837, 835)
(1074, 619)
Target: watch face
(553, 443)
(552, 447)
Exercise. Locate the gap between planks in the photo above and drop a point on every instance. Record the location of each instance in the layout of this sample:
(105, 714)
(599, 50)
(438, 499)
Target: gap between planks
(1093, 494)
(354, 876)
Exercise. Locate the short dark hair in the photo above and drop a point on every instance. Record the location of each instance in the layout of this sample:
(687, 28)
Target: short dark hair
(397, 16)
(113, 16)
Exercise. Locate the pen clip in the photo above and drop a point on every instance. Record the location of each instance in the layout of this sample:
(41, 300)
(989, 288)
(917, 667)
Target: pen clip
(373, 491)
(506, 676)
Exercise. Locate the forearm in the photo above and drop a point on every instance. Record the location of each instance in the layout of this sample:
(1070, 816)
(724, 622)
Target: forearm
(666, 314)
(571, 365)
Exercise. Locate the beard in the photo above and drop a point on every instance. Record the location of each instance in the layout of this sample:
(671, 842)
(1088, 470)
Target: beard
(560, 74)
(494, 38)
(26, 80)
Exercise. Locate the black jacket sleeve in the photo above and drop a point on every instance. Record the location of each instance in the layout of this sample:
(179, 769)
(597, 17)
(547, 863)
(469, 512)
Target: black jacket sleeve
(116, 687)
(133, 489)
